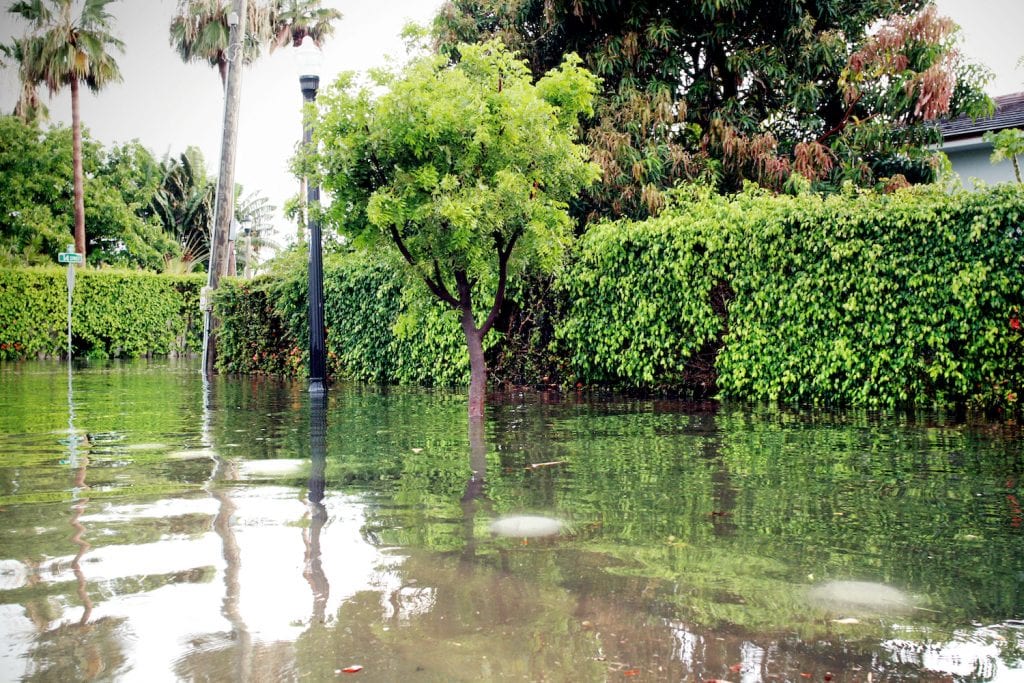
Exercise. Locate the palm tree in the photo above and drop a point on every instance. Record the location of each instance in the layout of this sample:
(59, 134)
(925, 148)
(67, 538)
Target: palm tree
(293, 20)
(184, 205)
(254, 212)
(30, 107)
(62, 49)
(200, 32)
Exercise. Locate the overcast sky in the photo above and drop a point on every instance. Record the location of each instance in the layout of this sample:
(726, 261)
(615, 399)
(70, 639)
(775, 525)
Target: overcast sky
(168, 105)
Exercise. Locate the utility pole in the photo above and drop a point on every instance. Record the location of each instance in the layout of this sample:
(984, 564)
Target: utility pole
(220, 240)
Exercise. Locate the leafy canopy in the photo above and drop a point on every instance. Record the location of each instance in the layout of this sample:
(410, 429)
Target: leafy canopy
(457, 161)
(734, 90)
(62, 47)
(36, 199)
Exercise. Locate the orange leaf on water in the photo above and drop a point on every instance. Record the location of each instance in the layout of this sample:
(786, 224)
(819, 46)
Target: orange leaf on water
(354, 669)
(631, 672)
(736, 668)
(806, 675)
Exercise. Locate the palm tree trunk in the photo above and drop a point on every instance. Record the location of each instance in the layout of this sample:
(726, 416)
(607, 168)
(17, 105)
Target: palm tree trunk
(79, 176)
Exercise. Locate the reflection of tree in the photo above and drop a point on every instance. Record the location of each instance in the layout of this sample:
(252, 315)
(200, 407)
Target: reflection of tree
(473, 497)
(224, 470)
(79, 652)
(314, 571)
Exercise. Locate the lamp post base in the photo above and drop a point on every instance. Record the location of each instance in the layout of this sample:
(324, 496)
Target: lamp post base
(317, 386)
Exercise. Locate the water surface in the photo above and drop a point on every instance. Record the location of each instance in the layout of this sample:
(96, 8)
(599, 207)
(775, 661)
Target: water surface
(154, 529)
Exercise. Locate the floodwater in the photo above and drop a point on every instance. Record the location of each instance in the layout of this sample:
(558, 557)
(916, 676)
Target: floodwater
(155, 529)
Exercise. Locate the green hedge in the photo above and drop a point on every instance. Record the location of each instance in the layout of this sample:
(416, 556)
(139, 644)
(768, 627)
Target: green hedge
(115, 313)
(381, 327)
(909, 298)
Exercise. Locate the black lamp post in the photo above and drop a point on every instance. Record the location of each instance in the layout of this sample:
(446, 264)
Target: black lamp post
(309, 62)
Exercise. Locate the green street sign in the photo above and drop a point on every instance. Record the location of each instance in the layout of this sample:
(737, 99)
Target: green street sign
(69, 257)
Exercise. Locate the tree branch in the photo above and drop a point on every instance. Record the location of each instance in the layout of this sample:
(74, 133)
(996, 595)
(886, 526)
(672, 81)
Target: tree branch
(439, 289)
(504, 252)
(436, 285)
(400, 243)
(842, 122)
(465, 290)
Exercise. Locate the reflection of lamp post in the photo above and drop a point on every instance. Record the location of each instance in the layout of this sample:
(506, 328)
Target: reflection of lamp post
(314, 569)
(309, 61)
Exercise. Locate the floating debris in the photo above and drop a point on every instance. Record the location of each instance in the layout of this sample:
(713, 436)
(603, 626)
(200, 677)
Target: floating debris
(271, 468)
(192, 454)
(538, 465)
(860, 597)
(526, 526)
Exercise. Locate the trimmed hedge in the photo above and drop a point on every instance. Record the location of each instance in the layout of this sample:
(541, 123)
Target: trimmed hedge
(382, 327)
(910, 298)
(115, 313)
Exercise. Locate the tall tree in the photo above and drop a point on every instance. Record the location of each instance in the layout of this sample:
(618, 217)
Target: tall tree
(293, 20)
(200, 32)
(255, 214)
(37, 198)
(65, 49)
(29, 107)
(731, 90)
(466, 170)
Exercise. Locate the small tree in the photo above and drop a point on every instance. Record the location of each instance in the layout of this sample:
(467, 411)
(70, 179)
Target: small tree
(1007, 144)
(466, 169)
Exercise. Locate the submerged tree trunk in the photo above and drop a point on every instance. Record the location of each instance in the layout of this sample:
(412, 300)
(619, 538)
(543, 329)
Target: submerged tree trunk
(79, 176)
(477, 365)
(463, 302)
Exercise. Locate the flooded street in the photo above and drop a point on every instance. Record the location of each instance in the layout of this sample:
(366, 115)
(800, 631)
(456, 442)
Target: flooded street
(155, 529)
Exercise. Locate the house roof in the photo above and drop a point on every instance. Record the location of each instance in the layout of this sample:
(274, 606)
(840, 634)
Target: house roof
(1009, 114)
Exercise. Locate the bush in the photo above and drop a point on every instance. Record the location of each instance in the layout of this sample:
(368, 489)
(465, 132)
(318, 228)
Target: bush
(381, 327)
(911, 298)
(115, 313)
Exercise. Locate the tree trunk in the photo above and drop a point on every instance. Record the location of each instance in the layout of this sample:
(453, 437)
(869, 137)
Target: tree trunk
(224, 209)
(79, 176)
(477, 365)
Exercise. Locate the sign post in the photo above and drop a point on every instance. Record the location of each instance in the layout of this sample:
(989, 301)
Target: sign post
(71, 258)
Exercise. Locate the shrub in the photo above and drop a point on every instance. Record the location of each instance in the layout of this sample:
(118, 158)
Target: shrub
(114, 314)
(382, 327)
(908, 298)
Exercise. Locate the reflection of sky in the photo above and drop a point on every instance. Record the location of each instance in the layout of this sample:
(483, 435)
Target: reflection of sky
(165, 623)
(177, 614)
(973, 655)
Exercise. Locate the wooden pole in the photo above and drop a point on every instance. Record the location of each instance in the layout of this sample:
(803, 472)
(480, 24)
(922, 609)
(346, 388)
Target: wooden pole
(219, 242)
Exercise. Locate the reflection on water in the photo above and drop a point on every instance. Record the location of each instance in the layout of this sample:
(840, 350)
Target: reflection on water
(152, 527)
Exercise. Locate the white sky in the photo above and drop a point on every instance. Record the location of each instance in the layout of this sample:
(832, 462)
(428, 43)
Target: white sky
(168, 105)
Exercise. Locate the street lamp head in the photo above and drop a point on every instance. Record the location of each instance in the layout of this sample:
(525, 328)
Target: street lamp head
(308, 62)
